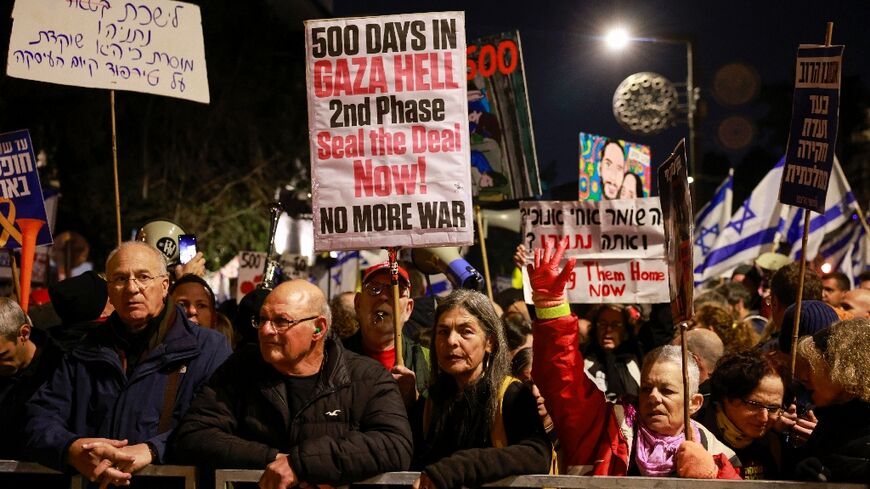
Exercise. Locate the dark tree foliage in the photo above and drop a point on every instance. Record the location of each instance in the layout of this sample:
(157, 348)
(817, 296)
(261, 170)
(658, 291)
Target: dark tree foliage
(211, 168)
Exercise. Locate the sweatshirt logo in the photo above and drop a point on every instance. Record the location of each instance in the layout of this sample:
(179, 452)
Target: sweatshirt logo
(333, 413)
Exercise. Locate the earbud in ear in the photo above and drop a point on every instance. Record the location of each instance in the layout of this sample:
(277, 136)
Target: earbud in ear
(316, 330)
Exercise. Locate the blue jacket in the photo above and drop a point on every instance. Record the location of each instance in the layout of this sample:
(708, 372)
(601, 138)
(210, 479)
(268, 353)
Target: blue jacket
(91, 395)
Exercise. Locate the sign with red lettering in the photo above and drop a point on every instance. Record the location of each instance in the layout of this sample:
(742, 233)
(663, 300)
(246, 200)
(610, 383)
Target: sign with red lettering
(388, 125)
(618, 244)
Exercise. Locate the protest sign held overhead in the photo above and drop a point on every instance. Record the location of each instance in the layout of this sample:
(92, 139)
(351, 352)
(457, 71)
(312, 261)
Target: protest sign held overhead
(250, 272)
(673, 178)
(388, 127)
(504, 165)
(613, 168)
(150, 46)
(20, 190)
(813, 133)
(619, 247)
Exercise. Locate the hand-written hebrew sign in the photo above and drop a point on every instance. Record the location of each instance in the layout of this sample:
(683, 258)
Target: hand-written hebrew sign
(151, 46)
(618, 244)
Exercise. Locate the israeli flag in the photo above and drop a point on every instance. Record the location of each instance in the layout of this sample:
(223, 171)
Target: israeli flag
(711, 221)
(839, 207)
(753, 229)
(857, 259)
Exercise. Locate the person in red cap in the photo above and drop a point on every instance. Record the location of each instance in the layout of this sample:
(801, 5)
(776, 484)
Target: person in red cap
(375, 337)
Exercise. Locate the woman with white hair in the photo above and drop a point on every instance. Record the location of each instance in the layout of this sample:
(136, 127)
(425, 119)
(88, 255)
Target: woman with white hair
(833, 365)
(602, 438)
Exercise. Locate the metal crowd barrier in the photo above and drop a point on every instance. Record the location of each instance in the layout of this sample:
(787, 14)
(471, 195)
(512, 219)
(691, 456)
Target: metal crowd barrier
(14, 467)
(223, 478)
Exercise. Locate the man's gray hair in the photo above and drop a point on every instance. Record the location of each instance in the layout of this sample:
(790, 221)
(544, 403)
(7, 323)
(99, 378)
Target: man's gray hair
(11, 318)
(158, 256)
(673, 354)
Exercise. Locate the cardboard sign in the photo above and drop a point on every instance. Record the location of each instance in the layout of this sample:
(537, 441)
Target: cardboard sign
(613, 168)
(387, 118)
(812, 138)
(504, 165)
(150, 46)
(619, 247)
(251, 265)
(20, 190)
(673, 178)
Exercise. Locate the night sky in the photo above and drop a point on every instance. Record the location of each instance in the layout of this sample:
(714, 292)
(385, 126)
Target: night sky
(571, 75)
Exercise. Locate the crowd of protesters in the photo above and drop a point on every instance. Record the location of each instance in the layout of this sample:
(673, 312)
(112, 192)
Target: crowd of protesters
(145, 367)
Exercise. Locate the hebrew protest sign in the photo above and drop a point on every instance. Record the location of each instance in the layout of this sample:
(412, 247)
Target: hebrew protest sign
(20, 190)
(809, 155)
(618, 244)
(150, 46)
(388, 126)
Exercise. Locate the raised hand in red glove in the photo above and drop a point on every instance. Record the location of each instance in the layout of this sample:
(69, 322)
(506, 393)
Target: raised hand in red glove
(548, 281)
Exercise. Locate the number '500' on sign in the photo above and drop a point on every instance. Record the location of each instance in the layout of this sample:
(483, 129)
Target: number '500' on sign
(504, 57)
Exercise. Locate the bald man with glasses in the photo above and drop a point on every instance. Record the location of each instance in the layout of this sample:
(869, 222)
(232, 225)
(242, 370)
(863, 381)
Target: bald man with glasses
(375, 337)
(111, 405)
(299, 405)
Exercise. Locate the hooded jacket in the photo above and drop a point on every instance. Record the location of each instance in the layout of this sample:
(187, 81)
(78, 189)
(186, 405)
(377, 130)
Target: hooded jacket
(91, 395)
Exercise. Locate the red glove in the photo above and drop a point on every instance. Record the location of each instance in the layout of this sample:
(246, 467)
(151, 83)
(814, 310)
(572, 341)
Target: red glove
(694, 462)
(548, 282)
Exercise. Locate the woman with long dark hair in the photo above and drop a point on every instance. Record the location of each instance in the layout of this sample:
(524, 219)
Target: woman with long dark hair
(478, 424)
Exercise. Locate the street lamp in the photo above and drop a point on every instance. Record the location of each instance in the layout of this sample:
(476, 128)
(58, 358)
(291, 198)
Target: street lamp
(618, 38)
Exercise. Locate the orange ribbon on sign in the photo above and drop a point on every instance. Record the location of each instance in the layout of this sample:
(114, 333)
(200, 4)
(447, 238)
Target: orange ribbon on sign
(7, 223)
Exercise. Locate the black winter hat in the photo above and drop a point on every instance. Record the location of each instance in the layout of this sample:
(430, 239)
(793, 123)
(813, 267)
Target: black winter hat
(80, 298)
(815, 316)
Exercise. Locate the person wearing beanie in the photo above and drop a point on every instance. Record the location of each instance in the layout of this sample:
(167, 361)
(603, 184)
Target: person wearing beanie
(815, 316)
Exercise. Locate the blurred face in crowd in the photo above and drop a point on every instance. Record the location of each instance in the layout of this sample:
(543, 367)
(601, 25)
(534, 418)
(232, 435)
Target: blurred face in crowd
(374, 309)
(817, 380)
(610, 329)
(287, 326)
(16, 353)
(138, 284)
(196, 302)
(857, 302)
(460, 345)
(612, 169)
(831, 292)
(755, 414)
(661, 398)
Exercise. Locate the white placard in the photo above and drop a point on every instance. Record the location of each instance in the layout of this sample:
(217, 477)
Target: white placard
(388, 128)
(250, 272)
(151, 46)
(618, 244)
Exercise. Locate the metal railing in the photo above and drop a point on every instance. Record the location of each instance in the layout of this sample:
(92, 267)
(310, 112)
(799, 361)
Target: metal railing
(224, 477)
(15, 467)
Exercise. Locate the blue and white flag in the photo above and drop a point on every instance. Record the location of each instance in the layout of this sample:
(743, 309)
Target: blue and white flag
(857, 257)
(753, 229)
(711, 221)
(839, 207)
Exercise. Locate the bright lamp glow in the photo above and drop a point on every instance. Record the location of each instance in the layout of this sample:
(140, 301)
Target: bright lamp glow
(616, 38)
(691, 179)
(826, 268)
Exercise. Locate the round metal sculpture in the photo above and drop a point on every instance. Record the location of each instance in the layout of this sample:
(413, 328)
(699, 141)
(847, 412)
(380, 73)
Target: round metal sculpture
(645, 103)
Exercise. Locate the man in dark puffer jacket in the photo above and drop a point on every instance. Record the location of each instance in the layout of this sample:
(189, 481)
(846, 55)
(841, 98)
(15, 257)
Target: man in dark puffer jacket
(302, 407)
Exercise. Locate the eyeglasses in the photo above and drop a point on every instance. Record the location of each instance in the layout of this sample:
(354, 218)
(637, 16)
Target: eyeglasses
(141, 280)
(375, 289)
(755, 407)
(280, 324)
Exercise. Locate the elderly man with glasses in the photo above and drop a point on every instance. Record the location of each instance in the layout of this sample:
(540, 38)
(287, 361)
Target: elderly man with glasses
(300, 406)
(375, 337)
(114, 400)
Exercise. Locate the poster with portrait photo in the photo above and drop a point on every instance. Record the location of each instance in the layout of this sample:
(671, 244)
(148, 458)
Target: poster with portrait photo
(676, 201)
(613, 168)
